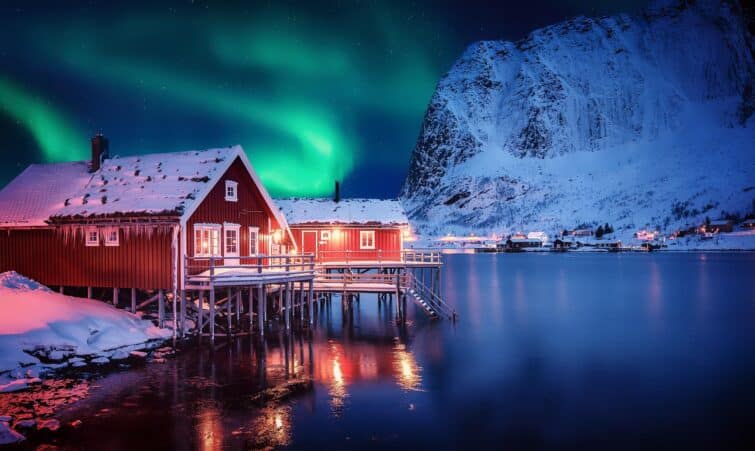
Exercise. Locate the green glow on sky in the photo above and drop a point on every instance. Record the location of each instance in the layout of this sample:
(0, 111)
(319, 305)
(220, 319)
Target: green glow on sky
(298, 95)
(57, 139)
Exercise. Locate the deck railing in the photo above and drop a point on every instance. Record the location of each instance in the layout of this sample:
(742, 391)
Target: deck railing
(259, 268)
(380, 256)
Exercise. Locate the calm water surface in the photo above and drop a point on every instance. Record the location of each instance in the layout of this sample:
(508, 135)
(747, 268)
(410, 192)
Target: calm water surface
(621, 351)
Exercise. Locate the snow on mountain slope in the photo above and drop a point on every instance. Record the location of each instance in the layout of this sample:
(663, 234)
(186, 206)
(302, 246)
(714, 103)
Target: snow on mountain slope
(637, 121)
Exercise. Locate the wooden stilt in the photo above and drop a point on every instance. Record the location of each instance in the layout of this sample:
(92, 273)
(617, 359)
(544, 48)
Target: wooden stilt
(89, 292)
(261, 308)
(174, 296)
(115, 297)
(60, 289)
(301, 301)
(183, 313)
(251, 309)
(229, 313)
(311, 302)
(133, 300)
(238, 308)
(161, 308)
(288, 306)
(212, 312)
(200, 314)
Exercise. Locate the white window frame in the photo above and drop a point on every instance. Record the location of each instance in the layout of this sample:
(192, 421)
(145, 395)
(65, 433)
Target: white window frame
(256, 249)
(325, 235)
(229, 227)
(108, 232)
(366, 233)
(234, 194)
(200, 228)
(88, 237)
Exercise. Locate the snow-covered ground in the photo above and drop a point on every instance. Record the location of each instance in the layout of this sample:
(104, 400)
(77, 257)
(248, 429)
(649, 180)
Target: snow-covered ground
(42, 330)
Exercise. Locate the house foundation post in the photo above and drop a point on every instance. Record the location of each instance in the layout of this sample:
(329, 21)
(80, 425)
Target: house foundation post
(115, 297)
(212, 312)
(261, 308)
(183, 313)
(229, 312)
(133, 300)
(161, 308)
(89, 292)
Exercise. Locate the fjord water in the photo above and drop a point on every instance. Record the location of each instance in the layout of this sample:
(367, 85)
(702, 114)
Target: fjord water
(612, 351)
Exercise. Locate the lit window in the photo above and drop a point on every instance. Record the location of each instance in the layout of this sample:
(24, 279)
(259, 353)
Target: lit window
(254, 233)
(206, 240)
(111, 236)
(231, 193)
(325, 235)
(231, 241)
(92, 237)
(366, 239)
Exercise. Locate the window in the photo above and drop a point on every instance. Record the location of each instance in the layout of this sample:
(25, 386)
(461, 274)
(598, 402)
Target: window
(206, 240)
(231, 239)
(325, 235)
(92, 237)
(231, 194)
(366, 239)
(254, 245)
(111, 236)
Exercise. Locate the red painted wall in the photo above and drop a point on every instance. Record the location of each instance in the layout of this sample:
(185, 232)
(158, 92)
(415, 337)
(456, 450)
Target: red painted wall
(141, 260)
(249, 210)
(345, 243)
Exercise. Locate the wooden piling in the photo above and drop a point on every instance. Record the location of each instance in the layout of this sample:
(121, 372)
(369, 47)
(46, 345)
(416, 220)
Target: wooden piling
(288, 305)
(311, 302)
(133, 300)
(161, 308)
(251, 309)
(89, 292)
(229, 313)
(212, 312)
(200, 315)
(115, 297)
(183, 313)
(261, 308)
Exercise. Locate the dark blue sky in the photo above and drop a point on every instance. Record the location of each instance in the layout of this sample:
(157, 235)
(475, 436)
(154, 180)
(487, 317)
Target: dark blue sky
(314, 92)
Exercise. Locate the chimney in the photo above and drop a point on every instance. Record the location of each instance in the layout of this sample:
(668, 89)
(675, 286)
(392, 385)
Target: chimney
(337, 196)
(100, 151)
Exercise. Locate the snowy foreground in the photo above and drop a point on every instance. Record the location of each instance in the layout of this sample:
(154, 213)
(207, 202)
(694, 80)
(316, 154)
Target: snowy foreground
(41, 330)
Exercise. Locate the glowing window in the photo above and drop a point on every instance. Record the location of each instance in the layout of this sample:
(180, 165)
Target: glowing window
(254, 240)
(366, 239)
(206, 240)
(325, 235)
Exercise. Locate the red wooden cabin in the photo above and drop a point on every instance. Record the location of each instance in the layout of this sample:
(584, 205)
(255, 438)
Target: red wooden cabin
(129, 222)
(348, 230)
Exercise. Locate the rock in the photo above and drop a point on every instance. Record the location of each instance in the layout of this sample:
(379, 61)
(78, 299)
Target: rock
(100, 361)
(18, 385)
(6, 418)
(159, 360)
(51, 424)
(79, 364)
(25, 424)
(8, 435)
(140, 354)
(75, 423)
(119, 355)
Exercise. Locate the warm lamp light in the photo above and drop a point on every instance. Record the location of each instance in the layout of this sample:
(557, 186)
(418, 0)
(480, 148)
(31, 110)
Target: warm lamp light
(277, 236)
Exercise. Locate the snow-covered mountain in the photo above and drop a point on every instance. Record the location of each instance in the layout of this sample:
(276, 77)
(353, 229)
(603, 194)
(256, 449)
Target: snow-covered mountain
(639, 121)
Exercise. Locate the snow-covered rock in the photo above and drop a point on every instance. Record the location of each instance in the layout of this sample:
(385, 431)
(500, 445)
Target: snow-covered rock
(38, 322)
(8, 435)
(639, 121)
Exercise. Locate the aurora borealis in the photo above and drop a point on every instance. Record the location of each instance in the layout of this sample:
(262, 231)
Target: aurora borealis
(314, 92)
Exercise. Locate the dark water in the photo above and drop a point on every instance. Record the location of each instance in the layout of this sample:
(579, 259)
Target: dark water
(627, 351)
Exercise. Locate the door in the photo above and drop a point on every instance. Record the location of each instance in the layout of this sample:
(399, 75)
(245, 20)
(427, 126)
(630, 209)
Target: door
(309, 242)
(231, 244)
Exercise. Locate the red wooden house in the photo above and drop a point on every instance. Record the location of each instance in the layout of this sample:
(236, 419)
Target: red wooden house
(349, 229)
(130, 221)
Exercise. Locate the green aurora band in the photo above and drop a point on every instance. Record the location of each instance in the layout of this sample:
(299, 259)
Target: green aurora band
(295, 90)
(58, 140)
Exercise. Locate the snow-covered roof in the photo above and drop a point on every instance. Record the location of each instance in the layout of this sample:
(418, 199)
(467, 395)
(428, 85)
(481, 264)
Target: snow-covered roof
(347, 211)
(159, 183)
(39, 191)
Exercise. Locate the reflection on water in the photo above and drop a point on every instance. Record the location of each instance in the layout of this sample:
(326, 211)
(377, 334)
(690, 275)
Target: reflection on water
(550, 351)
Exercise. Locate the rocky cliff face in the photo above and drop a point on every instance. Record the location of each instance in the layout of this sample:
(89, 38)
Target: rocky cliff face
(638, 121)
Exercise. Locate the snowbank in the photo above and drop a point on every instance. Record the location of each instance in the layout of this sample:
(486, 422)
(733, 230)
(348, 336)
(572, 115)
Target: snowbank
(54, 327)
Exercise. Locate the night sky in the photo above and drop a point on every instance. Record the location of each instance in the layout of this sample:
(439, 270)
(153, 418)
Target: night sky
(313, 91)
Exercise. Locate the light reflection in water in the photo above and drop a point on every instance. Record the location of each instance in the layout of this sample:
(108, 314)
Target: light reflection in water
(209, 428)
(408, 373)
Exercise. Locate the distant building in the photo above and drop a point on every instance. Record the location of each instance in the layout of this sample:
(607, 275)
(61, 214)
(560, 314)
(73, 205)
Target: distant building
(542, 236)
(748, 224)
(347, 229)
(587, 231)
(720, 226)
